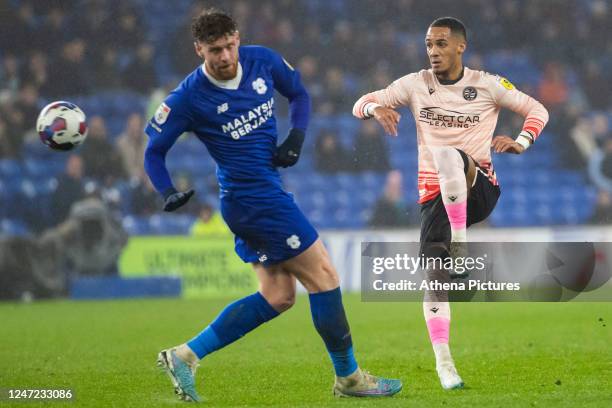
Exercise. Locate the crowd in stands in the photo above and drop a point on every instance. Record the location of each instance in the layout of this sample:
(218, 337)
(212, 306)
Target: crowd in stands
(55, 49)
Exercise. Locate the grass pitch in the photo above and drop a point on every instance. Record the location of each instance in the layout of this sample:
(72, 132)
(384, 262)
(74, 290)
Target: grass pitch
(509, 354)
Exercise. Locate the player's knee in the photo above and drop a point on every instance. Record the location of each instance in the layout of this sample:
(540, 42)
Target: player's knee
(447, 159)
(282, 303)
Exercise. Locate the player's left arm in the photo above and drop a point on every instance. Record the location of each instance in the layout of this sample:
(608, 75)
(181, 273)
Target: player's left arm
(507, 96)
(288, 83)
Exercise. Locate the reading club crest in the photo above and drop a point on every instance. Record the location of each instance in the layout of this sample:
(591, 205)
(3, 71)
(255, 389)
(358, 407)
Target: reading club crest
(469, 93)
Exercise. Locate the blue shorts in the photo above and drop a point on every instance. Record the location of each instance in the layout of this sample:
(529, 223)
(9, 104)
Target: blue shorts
(269, 229)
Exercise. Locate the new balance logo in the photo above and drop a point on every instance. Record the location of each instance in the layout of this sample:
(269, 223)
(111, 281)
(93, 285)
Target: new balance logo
(452, 198)
(434, 309)
(222, 108)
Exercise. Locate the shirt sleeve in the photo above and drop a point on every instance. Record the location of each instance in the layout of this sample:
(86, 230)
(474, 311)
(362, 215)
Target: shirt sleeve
(398, 93)
(505, 95)
(288, 83)
(171, 120)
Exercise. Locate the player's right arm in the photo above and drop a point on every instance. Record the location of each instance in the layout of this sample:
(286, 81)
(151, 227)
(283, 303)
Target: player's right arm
(171, 120)
(381, 104)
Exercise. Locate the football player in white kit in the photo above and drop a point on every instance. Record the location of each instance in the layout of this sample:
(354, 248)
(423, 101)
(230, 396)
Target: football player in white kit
(455, 110)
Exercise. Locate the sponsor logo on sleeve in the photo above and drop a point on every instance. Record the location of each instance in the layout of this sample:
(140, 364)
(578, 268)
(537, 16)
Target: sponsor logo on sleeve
(161, 115)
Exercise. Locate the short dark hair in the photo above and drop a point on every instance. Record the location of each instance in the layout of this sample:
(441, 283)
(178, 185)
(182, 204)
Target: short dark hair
(455, 25)
(212, 24)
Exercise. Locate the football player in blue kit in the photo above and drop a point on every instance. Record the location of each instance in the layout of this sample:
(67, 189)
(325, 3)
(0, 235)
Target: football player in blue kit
(228, 103)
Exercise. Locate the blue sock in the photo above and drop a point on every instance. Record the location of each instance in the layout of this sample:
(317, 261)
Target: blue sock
(236, 320)
(330, 320)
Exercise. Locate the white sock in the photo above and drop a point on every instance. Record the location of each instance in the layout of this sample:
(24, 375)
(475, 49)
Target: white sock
(443, 354)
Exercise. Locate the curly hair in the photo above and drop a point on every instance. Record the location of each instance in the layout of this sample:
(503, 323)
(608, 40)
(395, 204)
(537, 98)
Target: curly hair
(212, 24)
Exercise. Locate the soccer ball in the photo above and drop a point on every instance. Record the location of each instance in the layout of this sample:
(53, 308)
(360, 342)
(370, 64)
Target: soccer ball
(61, 125)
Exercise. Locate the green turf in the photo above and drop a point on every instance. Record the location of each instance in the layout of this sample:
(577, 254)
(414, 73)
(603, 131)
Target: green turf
(508, 354)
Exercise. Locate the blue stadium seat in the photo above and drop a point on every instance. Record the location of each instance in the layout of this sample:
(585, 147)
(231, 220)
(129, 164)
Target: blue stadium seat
(13, 227)
(135, 225)
(10, 168)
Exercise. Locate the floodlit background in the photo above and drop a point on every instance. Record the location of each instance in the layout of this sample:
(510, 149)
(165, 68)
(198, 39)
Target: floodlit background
(117, 60)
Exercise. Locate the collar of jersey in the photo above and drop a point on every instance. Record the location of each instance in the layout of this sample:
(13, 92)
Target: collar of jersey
(233, 83)
(452, 81)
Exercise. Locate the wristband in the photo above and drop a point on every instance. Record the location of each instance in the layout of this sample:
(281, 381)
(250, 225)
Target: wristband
(368, 109)
(525, 139)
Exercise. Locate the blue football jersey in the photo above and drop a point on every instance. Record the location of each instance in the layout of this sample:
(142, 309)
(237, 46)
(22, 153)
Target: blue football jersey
(237, 126)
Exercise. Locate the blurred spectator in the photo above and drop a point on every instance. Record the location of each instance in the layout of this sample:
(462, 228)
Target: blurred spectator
(209, 223)
(553, 89)
(127, 27)
(102, 160)
(70, 189)
(591, 133)
(132, 144)
(95, 21)
(371, 151)
(7, 149)
(337, 97)
(69, 74)
(27, 105)
(9, 74)
(36, 72)
(140, 74)
(593, 137)
(17, 26)
(603, 209)
(145, 199)
(105, 73)
(12, 140)
(592, 83)
(330, 156)
(20, 116)
(182, 54)
(390, 211)
(309, 71)
(52, 32)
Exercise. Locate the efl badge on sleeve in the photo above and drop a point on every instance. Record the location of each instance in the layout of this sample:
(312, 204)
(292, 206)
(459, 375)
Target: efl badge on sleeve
(161, 115)
(506, 84)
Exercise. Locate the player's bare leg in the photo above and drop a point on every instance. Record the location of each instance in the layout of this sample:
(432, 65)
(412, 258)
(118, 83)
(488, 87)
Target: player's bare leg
(315, 271)
(276, 294)
(436, 310)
